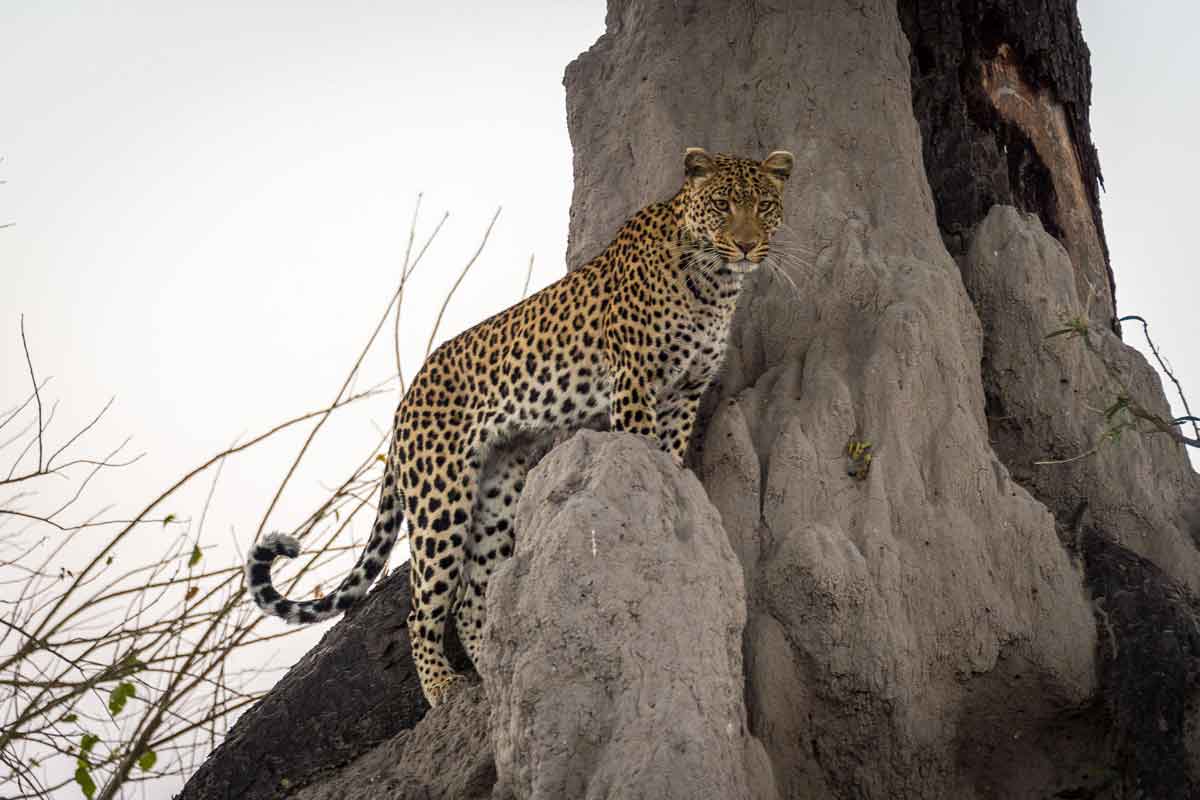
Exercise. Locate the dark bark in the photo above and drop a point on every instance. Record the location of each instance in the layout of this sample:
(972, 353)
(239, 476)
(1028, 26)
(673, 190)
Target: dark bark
(355, 689)
(1149, 669)
(977, 156)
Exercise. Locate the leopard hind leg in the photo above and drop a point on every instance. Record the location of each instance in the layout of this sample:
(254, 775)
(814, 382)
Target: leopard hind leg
(491, 540)
(439, 514)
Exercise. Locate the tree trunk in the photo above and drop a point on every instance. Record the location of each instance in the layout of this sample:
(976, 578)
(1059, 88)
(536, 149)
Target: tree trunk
(950, 619)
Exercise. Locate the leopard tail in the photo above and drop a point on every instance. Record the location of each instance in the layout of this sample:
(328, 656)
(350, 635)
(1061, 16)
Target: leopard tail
(370, 563)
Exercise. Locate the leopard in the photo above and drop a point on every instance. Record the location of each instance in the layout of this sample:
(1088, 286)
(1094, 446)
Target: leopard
(631, 339)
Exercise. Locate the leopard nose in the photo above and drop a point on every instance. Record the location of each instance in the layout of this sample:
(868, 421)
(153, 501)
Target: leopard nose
(746, 245)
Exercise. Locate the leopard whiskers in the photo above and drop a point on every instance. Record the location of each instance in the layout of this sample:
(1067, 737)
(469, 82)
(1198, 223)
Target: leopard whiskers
(705, 259)
(790, 248)
(787, 252)
(800, 267)
(775, 269)
(786, 263)
(793, 242)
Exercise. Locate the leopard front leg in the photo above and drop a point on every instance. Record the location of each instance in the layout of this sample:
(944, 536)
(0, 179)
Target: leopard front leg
(633, 403)
(677, 418)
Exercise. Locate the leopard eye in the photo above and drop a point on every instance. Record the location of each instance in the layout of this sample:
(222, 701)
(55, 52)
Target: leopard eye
(765, 205)
(721, 203)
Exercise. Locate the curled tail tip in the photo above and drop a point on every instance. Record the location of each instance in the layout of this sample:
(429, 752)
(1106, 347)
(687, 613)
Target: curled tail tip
(258, 572)
(268, 598)
(280, 544)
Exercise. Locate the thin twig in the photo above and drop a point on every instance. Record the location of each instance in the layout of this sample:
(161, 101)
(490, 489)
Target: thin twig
(528, 275)
(1165, 426)
(323, 417)
(36, 393)
(1166, 370)
(412, 234)
(398, 297)
(72, 463)
(446, 300)
(1065, 460)
(141, 517)
(81, 432)
(177, 625)
(11, 415)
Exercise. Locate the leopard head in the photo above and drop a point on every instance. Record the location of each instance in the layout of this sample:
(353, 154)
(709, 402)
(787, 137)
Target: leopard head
(732, 206)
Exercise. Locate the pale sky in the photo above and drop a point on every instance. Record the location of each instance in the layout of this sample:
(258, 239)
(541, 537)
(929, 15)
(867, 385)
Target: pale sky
(211, 203)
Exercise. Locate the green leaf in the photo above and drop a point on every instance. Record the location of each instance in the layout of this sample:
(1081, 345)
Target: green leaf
(70, 718)
(146, 760)
(131, 663)
(168, 519)
(195, 558)
(84, 779)
(120, 696)
(88, 742)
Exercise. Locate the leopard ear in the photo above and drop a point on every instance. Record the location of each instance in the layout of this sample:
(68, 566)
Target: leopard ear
(778, 165)
(697, 164)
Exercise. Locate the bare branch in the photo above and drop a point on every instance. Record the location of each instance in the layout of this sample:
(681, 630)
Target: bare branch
(412, 234)
(162, 632)
(437, 323)
(528, 275)
(398, 297)
(81, 431)
(1171, 375)
(36, 392)
(12, 414)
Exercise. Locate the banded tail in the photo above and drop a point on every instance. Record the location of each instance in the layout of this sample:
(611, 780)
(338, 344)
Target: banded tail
(353, 586)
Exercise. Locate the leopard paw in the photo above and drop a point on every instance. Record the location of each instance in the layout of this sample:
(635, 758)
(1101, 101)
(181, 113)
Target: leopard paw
(438, 690)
